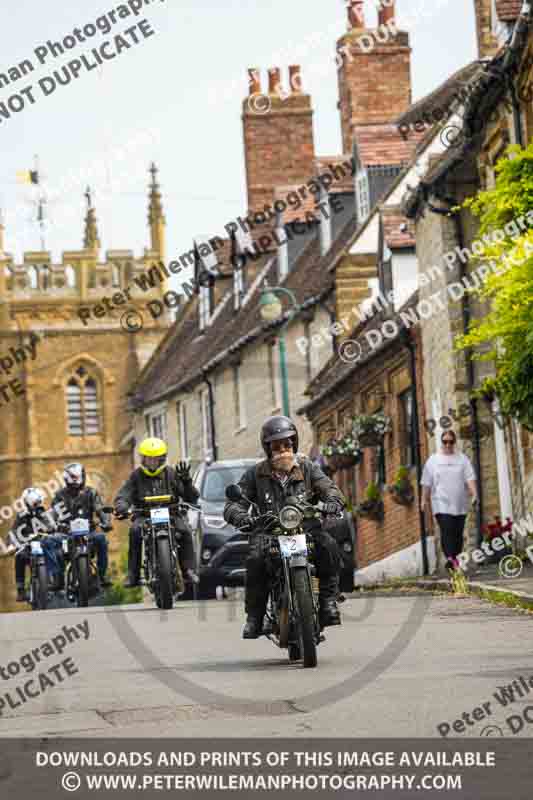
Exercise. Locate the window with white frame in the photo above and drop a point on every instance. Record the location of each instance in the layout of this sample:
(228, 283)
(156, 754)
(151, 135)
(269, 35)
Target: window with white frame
(238, 399)
(207, 429)
(238, 287)
(274, 375)
(362, 195)
(204, 306)
(182, 431)
(158, 425)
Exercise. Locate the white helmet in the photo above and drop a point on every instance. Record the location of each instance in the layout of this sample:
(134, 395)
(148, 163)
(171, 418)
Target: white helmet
(74, 475)
(33, 498)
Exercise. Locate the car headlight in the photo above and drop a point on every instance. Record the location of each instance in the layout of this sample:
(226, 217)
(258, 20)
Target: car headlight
(206, 554)
(215, 522)
(290, 517)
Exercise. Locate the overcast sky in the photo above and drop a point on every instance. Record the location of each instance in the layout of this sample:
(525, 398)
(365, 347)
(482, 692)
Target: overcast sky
(185, 84)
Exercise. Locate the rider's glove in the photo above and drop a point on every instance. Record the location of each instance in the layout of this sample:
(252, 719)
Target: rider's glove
(106, 528)
(121, 512)
(332, 507)
(240, 520)
(183, 471)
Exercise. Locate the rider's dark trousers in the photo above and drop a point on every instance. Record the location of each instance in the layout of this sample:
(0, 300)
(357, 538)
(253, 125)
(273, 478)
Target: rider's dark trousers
(135, 548)
(327, 566)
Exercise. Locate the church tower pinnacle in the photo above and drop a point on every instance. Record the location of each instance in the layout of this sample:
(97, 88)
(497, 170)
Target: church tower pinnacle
(156, 218)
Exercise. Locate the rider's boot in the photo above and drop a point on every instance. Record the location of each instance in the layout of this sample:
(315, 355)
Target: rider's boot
(132, 581)
(328, 610)
(253, 627)
(21, 594)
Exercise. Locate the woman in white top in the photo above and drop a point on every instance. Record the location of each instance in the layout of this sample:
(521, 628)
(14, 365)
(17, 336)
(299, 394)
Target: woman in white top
(448, 478)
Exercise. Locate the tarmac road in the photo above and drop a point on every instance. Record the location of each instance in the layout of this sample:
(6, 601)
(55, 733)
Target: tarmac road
(398, 667)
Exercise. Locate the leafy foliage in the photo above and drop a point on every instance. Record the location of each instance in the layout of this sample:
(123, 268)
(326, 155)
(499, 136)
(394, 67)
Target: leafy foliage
(506, 333)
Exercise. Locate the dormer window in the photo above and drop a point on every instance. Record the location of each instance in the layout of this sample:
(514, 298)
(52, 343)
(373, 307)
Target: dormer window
(362, 195)
(238, 287)
(204, 306)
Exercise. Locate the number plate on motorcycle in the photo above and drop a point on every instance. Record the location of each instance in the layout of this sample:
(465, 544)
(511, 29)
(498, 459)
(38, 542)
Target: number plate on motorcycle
(79, 526)
(159, 515)
(293, 545)
(36, 549)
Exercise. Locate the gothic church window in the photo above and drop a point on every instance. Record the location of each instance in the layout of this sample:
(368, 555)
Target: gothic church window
(83, 405)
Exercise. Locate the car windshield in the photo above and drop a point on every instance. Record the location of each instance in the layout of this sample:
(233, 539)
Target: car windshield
(216, 480)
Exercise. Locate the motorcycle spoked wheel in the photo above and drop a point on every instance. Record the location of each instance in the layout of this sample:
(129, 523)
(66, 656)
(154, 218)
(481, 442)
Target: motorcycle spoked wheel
(164, 590)
(83, 581)
(39, 589)
(305, 616)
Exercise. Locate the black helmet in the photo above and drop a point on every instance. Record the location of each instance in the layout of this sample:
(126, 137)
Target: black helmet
(275, 428)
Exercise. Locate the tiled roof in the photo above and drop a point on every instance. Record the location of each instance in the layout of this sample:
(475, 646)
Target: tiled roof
(383, 144)
(399, 231)
(508, 10)
(441, 98)
(337, 370)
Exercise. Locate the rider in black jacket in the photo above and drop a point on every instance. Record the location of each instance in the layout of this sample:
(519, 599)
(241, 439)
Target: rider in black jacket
(268, 484)
(28, 523)
(77, 497)
(153, 478)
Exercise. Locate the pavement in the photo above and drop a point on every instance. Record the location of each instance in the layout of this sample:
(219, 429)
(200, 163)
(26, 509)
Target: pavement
(489, 578)
(399, 666)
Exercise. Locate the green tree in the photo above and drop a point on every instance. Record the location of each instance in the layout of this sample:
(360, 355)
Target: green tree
(506, 333)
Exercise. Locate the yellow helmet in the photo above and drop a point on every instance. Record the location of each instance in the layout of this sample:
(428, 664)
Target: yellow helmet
(153, 454)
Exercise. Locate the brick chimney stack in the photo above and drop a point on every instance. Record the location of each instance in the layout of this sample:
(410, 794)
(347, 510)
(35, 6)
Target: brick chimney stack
(278, 136)
(375, 71)
(487, 44)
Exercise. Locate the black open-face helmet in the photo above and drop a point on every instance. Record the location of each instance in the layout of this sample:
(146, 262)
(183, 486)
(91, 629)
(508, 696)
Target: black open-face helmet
(275, 428)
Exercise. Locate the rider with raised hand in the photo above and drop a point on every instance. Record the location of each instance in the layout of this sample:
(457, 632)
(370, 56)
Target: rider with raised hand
(77, 497)
(285, 473)
(153, 477)
(28, 523)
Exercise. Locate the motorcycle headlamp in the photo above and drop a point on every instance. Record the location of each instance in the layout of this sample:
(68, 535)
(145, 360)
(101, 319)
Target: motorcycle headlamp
(290, 517)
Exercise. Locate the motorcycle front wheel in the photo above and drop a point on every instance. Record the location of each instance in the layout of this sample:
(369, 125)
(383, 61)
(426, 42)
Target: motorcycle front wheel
(164, 595)
(305, 611)
(83, 581)
(39, 588)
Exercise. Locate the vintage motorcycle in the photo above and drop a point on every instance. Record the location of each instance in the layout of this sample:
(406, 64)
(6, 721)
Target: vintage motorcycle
(40, 583)
(82, 579)
(292, 619)
(162, 543)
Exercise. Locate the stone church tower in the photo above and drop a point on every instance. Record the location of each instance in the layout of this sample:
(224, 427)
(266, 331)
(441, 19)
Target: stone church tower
(63, 394)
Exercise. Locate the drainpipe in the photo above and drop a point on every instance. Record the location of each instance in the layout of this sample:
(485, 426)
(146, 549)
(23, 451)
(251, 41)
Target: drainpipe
(211, 414)
(409, 344)
(476, 442)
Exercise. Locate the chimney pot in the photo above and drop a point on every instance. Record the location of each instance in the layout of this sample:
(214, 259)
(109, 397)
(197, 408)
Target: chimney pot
(356, 14)
(386, 12)
(254, 81)
(274, 80)
(295, 78)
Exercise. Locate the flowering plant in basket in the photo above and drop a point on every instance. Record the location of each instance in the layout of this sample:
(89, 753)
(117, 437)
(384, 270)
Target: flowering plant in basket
(368, 430)
(372, 505)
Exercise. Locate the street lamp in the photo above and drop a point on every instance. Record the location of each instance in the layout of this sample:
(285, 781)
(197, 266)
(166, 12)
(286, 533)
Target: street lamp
(271, 309)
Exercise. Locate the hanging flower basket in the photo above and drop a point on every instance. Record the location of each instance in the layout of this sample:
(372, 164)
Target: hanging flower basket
(371, 509)
(372, 505)
(493, 530)
(402, 490)
(369, 429)
(342, 453)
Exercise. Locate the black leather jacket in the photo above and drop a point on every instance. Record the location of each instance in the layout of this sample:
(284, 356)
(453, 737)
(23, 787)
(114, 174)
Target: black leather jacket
(140, 485)
(262, 487)
(88, 501)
